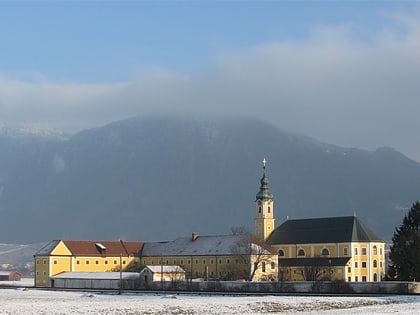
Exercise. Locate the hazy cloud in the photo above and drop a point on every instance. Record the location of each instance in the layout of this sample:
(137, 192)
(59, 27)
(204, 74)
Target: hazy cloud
(362, 93)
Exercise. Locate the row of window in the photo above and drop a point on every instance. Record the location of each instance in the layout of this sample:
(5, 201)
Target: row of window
(375, 265)
(326, 252)
(364, 278)
(188, 262)
(87, 262)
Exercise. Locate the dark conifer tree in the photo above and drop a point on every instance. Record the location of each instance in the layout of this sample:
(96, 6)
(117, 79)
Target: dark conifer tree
(405, 250)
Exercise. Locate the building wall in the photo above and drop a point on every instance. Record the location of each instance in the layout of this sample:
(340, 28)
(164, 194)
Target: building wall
(62, 260)
(217, 267)
(367, 261)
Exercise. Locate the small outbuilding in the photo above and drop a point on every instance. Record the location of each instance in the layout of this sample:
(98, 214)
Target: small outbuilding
(150, 274)
(10, 276)
(95, 280)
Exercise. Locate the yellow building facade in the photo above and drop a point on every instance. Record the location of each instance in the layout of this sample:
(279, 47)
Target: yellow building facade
(82, 256)
(221, 257)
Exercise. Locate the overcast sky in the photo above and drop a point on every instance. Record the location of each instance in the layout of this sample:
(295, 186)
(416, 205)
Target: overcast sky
(347, 73)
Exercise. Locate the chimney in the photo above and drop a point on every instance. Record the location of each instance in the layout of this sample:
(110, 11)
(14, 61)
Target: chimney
(194, 236)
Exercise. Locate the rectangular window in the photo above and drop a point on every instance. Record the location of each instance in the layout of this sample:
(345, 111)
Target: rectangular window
(364, 251)
(211, 262)
(189, 262)
(55, 262)
(273, 265)
(356, 264)
(355, 251)
(196, 262)
(220, 261)
(106, 262)
(228, 261)
(363, 264)
(345, 251)
(87, 262)
(348, 269)
(77, 262)
(37, 273)
(349, 279)
(37, 262)
(44, 262)
(182, 261)
(97, 262)
(123, 262)
(204, 261)
(364, 278)
(380, 264)
(263, 266)
(356, 278)
(115, 262)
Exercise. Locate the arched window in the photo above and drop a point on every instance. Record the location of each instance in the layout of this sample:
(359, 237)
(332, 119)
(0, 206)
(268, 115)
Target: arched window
(281, 253)
(325, 252)
(301, 252)
(375, 250)
(375, 264)
(375, 277)
(259, 209)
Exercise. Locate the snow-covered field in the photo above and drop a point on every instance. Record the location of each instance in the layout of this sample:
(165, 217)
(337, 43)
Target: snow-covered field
(31, 301)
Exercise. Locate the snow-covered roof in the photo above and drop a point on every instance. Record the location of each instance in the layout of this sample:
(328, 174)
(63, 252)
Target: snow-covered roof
(219, 245)
(96, 275)
(165, 269)
(47, 248)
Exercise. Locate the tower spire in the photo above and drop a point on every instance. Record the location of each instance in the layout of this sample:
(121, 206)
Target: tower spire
(264, 219)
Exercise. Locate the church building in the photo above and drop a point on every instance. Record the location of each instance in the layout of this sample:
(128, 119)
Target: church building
(335, 248)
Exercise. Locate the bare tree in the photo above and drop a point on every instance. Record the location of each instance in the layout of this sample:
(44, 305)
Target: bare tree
(253, 254)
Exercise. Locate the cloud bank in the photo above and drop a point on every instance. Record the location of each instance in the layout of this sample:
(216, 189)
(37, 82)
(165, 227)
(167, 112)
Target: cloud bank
(331, 86)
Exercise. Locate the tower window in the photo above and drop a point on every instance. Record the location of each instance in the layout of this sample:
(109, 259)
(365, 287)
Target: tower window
(259, 209)
(269, 209)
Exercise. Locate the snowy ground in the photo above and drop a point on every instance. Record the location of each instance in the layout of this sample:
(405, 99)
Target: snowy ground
(31, 301)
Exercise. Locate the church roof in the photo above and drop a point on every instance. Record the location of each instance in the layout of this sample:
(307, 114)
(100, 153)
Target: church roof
(322, 230)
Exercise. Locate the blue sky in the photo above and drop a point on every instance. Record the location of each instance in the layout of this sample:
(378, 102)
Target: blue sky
(344, 72)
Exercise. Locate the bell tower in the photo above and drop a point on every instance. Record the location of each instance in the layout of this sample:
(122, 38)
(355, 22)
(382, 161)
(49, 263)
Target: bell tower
(264, 207)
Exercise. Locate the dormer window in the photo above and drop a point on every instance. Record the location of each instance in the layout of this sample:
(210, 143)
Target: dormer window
(101, 248)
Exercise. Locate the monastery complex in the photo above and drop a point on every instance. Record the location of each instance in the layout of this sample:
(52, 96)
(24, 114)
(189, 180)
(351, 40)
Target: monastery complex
(334, 248)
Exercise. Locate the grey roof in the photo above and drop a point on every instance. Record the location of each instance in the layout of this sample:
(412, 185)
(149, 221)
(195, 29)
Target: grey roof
(220, 245)
(46, 249)
(322, 230)
(316, 261)
(97, 275)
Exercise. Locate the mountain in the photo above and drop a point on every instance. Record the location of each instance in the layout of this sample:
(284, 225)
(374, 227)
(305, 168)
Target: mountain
(157, 178)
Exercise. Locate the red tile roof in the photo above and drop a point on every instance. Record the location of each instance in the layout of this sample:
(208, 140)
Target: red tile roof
(104, 248)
